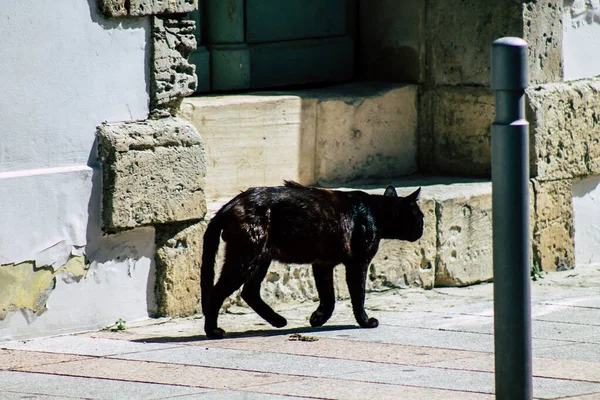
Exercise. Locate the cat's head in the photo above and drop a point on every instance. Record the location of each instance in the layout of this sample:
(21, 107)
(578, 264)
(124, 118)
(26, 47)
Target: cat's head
(406, 221)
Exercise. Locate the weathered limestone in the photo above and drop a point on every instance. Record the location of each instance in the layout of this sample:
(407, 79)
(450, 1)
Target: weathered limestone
(565, 129)
(366, 132)
(254, 140)
(153, 173)
(464, 235)
(338, 134)
(459, 34)
(173, 77)
(139, 8)
(178, 260)
(553, 234)
(458, 130)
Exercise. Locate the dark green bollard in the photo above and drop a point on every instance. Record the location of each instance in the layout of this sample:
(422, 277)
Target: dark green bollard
(510, 202)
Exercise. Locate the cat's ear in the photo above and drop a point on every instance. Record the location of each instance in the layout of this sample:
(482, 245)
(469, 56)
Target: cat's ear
(414, 196)
(390, 192)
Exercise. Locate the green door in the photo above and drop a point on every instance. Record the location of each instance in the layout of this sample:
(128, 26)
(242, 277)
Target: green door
(253, 44)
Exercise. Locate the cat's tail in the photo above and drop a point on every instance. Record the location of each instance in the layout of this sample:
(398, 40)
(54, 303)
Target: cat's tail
(209, 253)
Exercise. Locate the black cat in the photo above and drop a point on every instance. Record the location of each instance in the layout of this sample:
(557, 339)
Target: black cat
(301, 225)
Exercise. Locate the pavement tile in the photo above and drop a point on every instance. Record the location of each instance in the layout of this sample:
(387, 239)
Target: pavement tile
(339, 349)
(591, 396)
(13, 359)
(546, 388)
(21, 385)
(437, 378)
(87, 346)
(231, 395)
(572, 351)
(542, 367)
(353, 390)
(253, 361)
(565, 314)
(140, 371)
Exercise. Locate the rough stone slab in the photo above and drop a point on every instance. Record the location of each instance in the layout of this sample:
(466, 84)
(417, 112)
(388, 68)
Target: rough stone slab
(138, 8)
(173, 77)
(178, 259)
(464, 229)
(553, 233)
(153, 172)
(456, 139)
(113, 8)
(459, 34)
(254, 140)
(564, 125)
(365, 132)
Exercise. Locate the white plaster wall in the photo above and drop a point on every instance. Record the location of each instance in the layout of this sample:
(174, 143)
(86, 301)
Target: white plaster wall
(586, 206)
(63, 71)
(581, 41)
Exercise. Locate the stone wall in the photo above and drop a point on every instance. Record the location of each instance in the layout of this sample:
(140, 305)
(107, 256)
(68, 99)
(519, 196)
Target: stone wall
(154, 170)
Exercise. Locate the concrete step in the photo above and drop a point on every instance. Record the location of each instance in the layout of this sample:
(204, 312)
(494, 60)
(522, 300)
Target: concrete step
(335, 134)
(455, 250)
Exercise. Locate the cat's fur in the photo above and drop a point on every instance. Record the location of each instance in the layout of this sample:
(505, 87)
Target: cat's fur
(301, 225)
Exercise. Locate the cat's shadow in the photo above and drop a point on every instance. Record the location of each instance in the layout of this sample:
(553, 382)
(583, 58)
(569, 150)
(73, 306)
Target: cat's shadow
(249, 334)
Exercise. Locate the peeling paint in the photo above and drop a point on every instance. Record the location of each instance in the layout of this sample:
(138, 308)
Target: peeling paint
(26, 287)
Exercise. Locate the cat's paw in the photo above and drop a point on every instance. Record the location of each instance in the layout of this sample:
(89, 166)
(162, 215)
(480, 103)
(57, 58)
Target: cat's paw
(318, 318)
(215, 333)
(370, 323)
(278, 321)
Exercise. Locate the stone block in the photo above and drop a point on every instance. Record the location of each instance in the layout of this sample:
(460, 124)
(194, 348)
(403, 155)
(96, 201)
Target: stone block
(553, 233)
(459, 34)
(464, 229)
(138, 8)
(366, 131)
(173, 77)
(564, 129)
(113, 8)
(178, 259)
(391, 40)
(254, 140)
(459, 133)
(153, 173)
(543, 32)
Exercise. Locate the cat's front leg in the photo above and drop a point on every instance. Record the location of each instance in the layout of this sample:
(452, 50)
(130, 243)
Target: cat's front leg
(323, 274)
(356, 278)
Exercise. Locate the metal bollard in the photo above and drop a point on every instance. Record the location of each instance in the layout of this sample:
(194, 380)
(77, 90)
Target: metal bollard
(510, 205)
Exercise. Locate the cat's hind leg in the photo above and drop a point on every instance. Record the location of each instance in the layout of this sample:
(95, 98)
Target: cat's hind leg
(356, 278)
(323, 274)
(251, 295)
(229, 281)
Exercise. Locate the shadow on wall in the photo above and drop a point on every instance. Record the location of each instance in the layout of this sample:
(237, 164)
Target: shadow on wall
(110, 256)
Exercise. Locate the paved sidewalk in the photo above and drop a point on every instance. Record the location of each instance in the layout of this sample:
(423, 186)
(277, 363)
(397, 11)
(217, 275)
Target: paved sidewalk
(434, 344)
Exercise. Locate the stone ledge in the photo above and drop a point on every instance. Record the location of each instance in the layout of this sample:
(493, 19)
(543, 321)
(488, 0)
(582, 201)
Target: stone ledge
(319, 135)
(565, 129)
(153, 173)
(140, 8)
